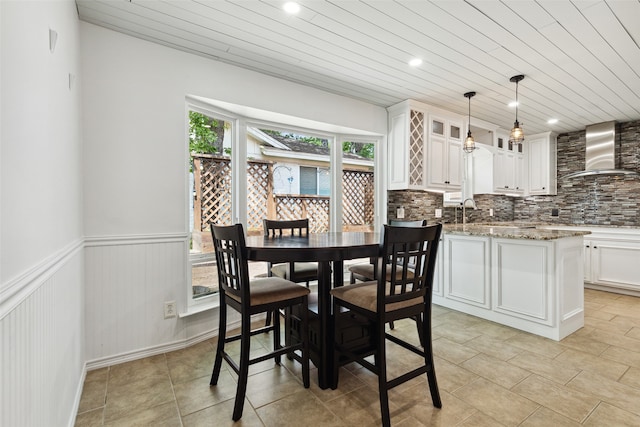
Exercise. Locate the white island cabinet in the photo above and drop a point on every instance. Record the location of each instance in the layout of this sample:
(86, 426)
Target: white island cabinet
(524, 278)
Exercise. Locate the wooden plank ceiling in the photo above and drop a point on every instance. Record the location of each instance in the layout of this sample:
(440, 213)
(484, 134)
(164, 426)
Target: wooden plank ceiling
(581, 58)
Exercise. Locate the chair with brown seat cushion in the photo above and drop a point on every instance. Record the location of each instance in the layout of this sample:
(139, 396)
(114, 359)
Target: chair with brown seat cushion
(248, 298)
(382, 301)
(298, 272)
(367, 272)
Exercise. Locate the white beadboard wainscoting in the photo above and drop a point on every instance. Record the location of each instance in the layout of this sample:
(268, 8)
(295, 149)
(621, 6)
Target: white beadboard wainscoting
(128, 279)
(41, 342)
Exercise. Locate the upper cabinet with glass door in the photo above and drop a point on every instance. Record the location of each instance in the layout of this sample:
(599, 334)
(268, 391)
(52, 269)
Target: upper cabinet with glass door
(509, 166)
(425, 148)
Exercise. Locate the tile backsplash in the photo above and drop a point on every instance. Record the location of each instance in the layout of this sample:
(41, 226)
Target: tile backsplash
(592, 200)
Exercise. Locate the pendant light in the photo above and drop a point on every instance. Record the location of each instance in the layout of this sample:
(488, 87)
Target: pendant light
(517, 134)
(469, 142)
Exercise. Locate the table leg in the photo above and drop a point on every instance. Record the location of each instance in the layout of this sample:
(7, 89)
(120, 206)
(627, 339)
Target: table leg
(326, 326)
(338, 273)
(338, 280)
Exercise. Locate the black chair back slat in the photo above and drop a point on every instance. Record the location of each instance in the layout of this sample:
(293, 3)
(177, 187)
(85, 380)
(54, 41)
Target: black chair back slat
(231, 259)
(279, 228)
(412, 249)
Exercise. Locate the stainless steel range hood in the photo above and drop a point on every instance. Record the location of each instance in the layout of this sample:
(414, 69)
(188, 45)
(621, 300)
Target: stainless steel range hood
(600, 152)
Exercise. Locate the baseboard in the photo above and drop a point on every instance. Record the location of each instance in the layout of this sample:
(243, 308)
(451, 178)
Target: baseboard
(155, 350)
(612, 289)
(76, 403)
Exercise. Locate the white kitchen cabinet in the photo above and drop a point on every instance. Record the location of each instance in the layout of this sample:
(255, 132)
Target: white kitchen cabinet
(508, 166)
(444, 153)
(499, 168)
(521, 280)
(425, 148)
(470, 285)
(504, 171)
(520, 170)
(587, 260)
(438, 274)
(613, 263)
(541, 151)
(611, 256)
(400, 143)
(534, 285)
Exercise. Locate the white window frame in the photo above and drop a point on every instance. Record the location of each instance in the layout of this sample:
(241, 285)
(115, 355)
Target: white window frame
(240, 123)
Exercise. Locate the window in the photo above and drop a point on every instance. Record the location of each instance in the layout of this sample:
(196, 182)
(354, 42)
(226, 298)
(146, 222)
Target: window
(315, 181)
(211, 201)
(358, 190)
(308, 180)
(270, 170)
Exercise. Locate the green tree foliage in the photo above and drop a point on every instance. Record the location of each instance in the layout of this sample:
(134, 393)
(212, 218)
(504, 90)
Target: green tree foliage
(308, 139)
(361, 149)
(205, 134)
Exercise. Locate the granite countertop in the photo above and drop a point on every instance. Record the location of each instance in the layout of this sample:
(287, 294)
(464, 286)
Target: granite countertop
(511, 231)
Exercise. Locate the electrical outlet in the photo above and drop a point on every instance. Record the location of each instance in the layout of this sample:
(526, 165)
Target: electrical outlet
(438, 213)
(169, 309)
(490, 211)
(400, 212)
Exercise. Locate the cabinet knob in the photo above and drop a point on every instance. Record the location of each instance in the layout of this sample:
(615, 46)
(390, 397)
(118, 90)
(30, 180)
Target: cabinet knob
(544, 188)
(588, 246)
(595, 247)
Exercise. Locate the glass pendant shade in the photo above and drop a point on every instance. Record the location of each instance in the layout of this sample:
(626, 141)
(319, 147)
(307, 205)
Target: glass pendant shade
(517, 134)
(469, 142)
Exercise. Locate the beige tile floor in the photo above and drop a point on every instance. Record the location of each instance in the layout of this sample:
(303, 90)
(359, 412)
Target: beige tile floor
(489, 375)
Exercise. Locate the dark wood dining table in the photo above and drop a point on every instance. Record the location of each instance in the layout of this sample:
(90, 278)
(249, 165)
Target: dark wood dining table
(329, 250)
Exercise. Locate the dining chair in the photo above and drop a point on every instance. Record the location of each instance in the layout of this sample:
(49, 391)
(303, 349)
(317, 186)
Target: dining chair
(297, 272)
(249, 297)
(382, 301)
(366, 272)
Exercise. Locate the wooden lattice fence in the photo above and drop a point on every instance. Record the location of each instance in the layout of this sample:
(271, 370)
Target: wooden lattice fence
(316, 208)
(357, 198)
(212, 198)
(260, 187)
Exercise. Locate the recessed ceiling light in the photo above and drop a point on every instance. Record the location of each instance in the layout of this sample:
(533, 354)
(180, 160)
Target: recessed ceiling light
(552, 121)
(512, 104)
(415, 62)
(291, 7)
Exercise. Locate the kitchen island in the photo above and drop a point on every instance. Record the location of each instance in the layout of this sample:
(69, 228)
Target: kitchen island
(520, 276)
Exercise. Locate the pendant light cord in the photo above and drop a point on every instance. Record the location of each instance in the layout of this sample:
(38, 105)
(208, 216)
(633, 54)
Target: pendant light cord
(469, 115)
(517, 101)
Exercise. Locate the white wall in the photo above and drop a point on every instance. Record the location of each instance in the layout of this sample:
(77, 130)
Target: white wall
(116, 193)
(41, 259)
(134, 110)
(135, 179)
(41, 151)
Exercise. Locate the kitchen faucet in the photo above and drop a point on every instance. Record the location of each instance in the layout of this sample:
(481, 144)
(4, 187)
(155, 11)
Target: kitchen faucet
(464, 207)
